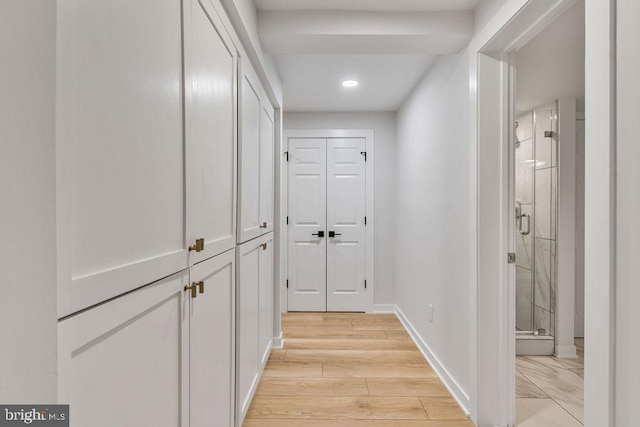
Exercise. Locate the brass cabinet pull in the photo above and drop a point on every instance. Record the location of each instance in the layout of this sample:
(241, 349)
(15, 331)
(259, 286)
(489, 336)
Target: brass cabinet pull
(193, 288)
(200, 286)
(198, 247)
(264, 225)
(263, 246)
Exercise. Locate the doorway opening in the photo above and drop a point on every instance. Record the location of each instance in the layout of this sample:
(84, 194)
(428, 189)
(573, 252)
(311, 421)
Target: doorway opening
(548, 163)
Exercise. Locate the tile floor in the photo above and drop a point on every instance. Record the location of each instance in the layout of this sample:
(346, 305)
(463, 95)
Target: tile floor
(347, 370)
(549, 391)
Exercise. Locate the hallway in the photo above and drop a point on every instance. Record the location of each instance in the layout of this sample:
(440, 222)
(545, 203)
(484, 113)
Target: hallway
(350, 369)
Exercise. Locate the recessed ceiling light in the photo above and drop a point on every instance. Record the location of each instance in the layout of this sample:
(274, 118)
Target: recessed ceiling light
(349, 83)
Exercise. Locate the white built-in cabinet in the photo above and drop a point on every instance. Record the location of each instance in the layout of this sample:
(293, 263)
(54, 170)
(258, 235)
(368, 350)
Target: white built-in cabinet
(254, 318)
(160, 356)
(138, 182)
(255, 151)
(150, 105)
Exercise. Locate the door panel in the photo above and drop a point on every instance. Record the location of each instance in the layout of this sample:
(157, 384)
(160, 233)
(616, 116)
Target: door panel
(129, 354)
(212, 346)
(250, 153)
(266, 168)
(265, 297)
(210, 74)
(346, 207)
(307, 215)
(247, 320)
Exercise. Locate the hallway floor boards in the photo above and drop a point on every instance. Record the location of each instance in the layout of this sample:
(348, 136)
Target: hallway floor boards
(350, 369)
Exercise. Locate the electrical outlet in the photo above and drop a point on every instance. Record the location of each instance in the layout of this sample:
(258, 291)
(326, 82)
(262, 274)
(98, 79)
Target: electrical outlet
(430, 311)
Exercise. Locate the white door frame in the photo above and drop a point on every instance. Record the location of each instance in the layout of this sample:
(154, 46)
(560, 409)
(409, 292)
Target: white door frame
(368, 134)
(492, 132)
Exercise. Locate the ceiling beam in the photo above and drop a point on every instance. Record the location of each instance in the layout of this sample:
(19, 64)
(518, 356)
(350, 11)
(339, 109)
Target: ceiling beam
(349, 32)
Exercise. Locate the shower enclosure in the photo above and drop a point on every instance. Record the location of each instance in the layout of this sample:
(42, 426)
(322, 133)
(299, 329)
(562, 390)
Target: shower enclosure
(536, 208)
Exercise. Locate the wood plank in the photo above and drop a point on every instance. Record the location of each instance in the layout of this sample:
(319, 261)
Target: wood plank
(277, 354)
(338, 324)
(302, 317)
(347, 344)
(378, 370)
(293, 370)
(353, 423)
(345, 316)
(331, 408)
(442, 408)
(377, 319)
(383, 326)
(397, 334)
(312, 387)
(406, 387)
(353, 356)
(334, 333)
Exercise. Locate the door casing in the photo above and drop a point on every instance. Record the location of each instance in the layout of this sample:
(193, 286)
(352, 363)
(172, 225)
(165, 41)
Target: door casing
(368, 135)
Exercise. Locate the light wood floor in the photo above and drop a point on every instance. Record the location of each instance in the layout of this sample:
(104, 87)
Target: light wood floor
(350, 369)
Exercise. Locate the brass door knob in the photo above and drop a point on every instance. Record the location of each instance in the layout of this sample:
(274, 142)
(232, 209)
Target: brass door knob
(198, 247)
(264, 225)
(263, 246)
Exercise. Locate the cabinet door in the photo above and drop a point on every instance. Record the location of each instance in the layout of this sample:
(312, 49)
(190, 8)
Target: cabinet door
(119, 142)
(213, 343)
(265, 297)
(210, 118)
(247, 323)
(125, 363)
(266, 167)
(249, 225)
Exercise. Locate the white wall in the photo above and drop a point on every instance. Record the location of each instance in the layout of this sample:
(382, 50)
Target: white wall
(27, 213)
(432, 231)
(485, 11)
(627, 379)
(384, 127)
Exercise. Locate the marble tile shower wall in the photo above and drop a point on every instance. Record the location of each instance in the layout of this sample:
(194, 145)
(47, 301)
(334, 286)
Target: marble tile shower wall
(536, 184)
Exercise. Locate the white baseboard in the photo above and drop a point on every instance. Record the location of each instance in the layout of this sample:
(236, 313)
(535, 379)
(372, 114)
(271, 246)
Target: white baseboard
(278, 342)
(566, 352)
(454, 388)
(384, 308)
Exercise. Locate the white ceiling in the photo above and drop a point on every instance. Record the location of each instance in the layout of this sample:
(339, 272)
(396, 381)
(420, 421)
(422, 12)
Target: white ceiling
(551, 65)
(314, 82)
(386, 45)
(367, 5)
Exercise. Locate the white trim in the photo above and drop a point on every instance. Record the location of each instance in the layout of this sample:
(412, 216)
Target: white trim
(384, 308)
(278, 342)
(452, 385)
(493, 328)
(566, 352)
(368, 134)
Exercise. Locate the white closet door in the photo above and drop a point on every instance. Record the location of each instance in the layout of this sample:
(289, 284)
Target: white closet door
(265, 297)
(125, 363)
(346, 207)
(213, 343)
(247, 319)
(119, 147)
(266, 167)
(307, 216)
(249, 155)
(210, 66)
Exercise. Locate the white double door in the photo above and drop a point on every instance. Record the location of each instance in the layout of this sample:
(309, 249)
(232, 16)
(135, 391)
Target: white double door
(327, 220)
